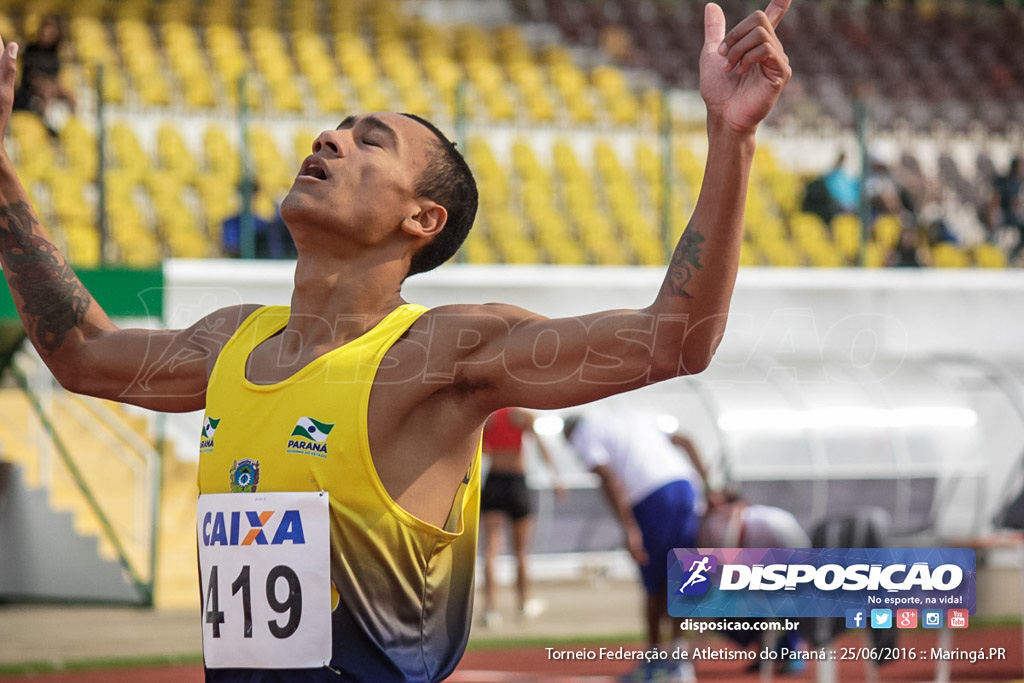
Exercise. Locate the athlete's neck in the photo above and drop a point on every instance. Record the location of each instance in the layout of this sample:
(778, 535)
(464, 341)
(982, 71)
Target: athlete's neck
(333, 303)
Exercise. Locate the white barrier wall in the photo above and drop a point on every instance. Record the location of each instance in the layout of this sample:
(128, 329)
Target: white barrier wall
(906, 384)
(799, 312)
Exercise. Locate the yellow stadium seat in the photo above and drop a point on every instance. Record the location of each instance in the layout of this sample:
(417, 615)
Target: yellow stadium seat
(220, 155)
(750, 255)
(187, 61)
(83, 245)
(127, 153)
(478, 250)
(808, 230)
(874, 255)
(946, 255)
(173, 154)
(846, 230)
(80, 152)
(989, 256)
(887, 230)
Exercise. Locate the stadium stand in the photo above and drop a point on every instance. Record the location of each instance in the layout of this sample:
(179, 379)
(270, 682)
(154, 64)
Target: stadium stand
(576, 70)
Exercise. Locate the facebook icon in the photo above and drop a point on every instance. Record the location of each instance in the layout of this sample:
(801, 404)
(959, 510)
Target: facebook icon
(856, 618)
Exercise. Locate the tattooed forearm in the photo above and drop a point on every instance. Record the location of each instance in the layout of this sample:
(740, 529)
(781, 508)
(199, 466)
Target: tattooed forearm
(685, 260)
(54, 302)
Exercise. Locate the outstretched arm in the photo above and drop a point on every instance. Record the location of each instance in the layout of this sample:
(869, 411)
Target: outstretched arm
(742, 74)
(86, 352)
(532, 361)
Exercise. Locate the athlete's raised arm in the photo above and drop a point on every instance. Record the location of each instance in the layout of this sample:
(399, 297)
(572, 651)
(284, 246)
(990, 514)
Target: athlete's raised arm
(527, 360)
(85, 351)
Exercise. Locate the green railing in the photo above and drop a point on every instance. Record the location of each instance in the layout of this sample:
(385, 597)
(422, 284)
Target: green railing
(124, 293)
(138, 563)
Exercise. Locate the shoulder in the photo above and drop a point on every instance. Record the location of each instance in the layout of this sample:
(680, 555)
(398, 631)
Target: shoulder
(229, 319)
(482, 315)
(214, 330)
(467, 329)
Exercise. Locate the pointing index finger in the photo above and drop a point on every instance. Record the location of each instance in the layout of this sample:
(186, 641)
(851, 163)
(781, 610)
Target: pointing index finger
(776, 10)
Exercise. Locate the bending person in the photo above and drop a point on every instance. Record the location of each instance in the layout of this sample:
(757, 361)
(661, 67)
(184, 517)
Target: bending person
(658, 497)
(733, 522)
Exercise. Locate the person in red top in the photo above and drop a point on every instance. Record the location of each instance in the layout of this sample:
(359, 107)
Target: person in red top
(505, 498)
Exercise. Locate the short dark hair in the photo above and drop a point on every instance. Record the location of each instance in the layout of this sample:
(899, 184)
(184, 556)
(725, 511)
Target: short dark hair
(448, 181)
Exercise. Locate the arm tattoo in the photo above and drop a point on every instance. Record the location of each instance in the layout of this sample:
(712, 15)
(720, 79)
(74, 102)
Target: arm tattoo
(685, 260)
(54, 302)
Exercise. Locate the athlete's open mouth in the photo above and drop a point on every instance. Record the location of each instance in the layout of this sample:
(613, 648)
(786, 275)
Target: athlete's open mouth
(313, 168)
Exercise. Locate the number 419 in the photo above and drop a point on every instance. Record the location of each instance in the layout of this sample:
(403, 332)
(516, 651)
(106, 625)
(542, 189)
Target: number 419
(292, 605)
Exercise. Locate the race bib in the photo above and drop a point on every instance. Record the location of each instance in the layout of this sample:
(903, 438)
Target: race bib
(264, 569)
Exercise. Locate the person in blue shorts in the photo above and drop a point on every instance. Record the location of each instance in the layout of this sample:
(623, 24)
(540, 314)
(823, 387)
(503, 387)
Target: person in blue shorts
(658, 496)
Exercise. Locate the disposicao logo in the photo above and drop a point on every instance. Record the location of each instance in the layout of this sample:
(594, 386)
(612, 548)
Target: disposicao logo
(808, 582)
(836, 577)
(309, 437)
(696, 582)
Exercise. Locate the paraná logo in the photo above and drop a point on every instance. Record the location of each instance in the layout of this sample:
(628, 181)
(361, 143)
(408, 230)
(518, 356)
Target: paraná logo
(210, 425)
(308, 428)
(309, 437)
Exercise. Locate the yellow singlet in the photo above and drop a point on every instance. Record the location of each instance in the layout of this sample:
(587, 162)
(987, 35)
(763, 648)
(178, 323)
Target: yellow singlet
(404, 587)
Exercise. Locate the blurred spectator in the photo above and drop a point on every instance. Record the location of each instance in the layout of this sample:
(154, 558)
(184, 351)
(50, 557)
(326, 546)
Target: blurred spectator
(271, 239)
(885, 193)
(505, 498)
(909, 251)
(843, 186)
(818, 200)
(617, 42)
(40, 88)
(1008, 194)
(833, 193)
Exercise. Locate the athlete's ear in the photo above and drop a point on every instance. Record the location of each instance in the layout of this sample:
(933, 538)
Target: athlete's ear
(428, 222)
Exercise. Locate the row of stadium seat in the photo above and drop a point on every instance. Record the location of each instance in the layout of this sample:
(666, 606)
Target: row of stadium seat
(169, 198)
(602, 202)
(162, 54)
(921, 63)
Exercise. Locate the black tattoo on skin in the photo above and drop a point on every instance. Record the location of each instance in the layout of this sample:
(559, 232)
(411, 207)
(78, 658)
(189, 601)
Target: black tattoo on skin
(54, 301)
(685, 260)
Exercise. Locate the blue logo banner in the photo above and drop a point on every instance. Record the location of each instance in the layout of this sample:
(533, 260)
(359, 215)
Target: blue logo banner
(817, 582)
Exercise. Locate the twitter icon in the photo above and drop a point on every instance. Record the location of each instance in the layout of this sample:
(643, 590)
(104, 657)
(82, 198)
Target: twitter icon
(881, 618)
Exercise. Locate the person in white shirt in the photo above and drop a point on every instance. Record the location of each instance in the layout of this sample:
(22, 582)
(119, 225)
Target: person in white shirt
(657, 494)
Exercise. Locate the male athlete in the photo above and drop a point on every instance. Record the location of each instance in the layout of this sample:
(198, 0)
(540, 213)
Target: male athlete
(354, 394)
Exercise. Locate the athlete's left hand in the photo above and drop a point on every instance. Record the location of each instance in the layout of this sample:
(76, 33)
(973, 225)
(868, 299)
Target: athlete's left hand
(742, 72)
(8, 72)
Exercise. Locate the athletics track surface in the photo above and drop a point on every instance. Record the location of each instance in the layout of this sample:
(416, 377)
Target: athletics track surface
(531, 663)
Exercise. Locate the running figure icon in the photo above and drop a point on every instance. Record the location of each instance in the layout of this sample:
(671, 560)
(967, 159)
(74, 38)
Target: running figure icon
(696, 570)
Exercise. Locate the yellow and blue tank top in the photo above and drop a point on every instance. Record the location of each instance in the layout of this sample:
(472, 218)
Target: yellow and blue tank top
(403, 588)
